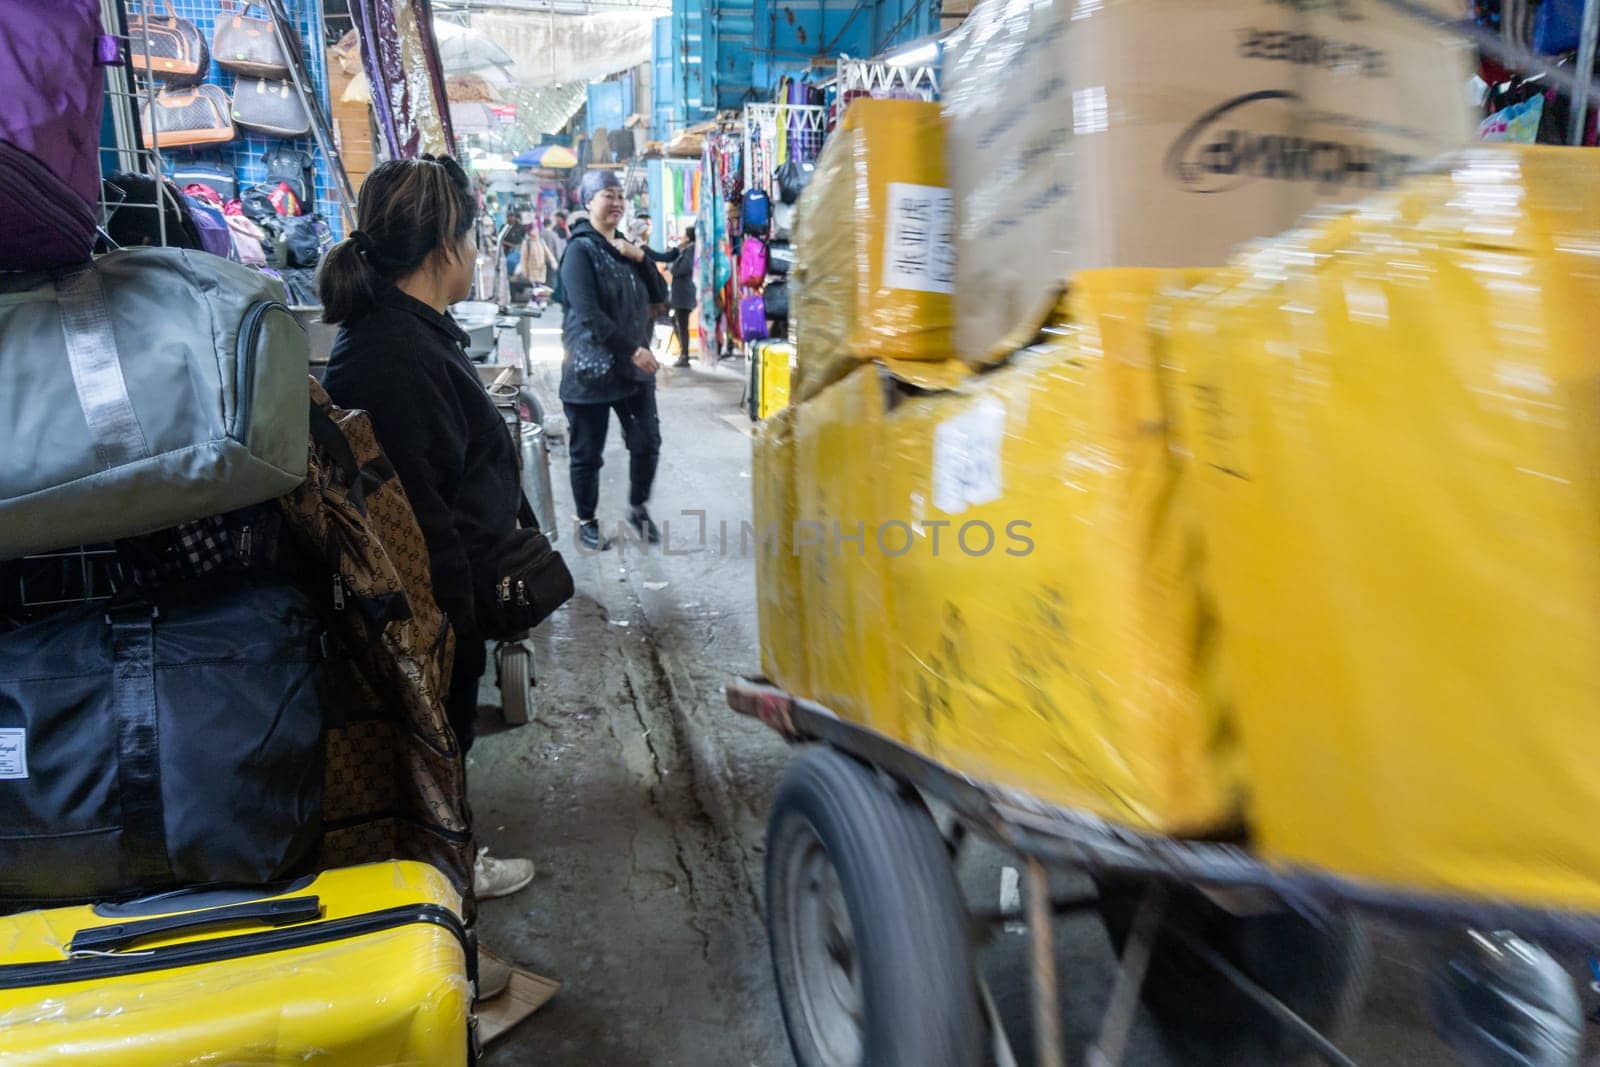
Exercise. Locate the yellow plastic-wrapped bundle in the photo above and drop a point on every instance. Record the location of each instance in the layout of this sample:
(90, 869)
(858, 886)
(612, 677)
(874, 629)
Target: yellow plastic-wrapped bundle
(838, 465)
(1047, 625)
(873, 260)
(779, 610)
(1396, 424)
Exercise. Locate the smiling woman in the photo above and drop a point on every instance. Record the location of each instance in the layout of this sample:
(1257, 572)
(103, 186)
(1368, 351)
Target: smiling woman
(612, 293)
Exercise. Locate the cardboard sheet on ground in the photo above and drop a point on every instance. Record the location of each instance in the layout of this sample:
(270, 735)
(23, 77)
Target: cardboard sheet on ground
(525, 994)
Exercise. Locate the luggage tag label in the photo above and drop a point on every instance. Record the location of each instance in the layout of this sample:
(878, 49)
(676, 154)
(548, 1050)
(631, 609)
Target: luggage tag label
(917, 250)
(966, 457)
(13, 753)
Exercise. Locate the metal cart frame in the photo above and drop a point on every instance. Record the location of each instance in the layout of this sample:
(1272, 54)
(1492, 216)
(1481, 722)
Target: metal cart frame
(1047, 837)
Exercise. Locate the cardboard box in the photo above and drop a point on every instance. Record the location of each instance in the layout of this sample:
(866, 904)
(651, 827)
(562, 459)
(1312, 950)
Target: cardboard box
(873, 271)
(1047, 630)
(1163, 133)
(780, 604)
(1395, 420)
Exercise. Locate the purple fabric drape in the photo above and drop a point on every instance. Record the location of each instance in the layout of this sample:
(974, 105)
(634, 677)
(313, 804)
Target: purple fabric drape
(401, 58)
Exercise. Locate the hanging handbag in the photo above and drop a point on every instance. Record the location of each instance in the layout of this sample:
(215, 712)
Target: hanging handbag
(270, 107)
(532, 581)
(168, 49)
(248, 46)
(184, 118)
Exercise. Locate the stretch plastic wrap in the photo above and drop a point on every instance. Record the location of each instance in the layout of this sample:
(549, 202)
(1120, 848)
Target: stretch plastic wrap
(839, 461)
(872, 244)
(395, 997)
(1047, 629)
(1396, 425)
(780, 610)
(1162, 133)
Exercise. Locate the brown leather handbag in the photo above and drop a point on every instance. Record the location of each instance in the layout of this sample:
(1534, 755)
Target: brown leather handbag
(265, 105)
(246, 45)
(168, 49)
(183, 118)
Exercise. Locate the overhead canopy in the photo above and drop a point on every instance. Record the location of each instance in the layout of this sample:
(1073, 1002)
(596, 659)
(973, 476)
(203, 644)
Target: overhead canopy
(547, 49)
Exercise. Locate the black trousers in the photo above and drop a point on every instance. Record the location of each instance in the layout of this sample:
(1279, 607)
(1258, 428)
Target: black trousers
(680, 325)
(586, 433)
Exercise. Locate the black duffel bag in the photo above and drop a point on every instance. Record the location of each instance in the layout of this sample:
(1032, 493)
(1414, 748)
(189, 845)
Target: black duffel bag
(162, 743)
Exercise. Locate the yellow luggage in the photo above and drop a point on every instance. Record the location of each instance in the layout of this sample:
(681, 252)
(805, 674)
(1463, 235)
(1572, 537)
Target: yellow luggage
(1396, 423)
(360, 967)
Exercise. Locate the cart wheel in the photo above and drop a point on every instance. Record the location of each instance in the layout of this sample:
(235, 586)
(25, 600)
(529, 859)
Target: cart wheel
(868, 932)
(515, 662)
(1316, 968)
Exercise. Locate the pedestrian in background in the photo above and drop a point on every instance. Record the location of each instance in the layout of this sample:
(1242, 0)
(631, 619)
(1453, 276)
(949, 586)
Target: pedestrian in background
(555, 237)
(607, 366)
(683, 294)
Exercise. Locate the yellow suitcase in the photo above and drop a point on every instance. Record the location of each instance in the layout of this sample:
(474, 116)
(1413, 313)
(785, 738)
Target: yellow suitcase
(359, 967)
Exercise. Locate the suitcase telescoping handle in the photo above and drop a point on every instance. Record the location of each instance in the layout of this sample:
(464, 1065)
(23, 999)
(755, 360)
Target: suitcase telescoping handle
(254, 913)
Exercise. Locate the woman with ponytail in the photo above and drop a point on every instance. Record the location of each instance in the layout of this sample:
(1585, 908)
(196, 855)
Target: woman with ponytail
(401, 358)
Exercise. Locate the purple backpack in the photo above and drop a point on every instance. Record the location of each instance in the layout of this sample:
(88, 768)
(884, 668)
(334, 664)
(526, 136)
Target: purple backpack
(51, 94)
(752, 317)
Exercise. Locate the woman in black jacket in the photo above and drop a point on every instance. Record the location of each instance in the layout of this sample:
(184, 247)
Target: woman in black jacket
(400, 357)
(610, 292)
(682, 296)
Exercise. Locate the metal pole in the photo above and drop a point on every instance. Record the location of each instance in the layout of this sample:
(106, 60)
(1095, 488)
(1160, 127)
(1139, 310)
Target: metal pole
(1577, 122)
(1046, 1008)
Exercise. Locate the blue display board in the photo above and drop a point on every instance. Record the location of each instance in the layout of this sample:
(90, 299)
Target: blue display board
(245, 153)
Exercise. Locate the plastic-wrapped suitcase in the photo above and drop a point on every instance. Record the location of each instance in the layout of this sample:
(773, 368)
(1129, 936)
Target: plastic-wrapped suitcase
(361, 967)
(770, 370)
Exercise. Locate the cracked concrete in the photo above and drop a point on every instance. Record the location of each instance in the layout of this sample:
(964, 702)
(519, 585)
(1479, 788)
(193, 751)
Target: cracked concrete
(643, 800)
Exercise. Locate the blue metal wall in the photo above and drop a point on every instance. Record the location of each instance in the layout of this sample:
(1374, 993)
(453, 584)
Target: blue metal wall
(610, 104)
(692, 91)
(662, 88)
(728, 52)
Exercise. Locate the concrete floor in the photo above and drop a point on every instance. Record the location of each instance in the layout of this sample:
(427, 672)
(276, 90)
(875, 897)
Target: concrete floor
(643, 799)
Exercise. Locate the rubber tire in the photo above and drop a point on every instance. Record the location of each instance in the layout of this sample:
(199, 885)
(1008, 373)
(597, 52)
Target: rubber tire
(1319, 970)
(913, 948)
(515, 663)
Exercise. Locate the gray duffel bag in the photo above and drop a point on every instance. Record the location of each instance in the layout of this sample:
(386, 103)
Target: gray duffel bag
(150, 387)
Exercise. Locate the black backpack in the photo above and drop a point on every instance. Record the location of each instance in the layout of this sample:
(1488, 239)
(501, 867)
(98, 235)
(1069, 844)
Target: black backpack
(297, 169)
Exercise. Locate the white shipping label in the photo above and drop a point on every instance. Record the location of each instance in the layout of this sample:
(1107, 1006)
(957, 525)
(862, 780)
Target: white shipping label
(966, 457)
(13, 753)
(917, 252)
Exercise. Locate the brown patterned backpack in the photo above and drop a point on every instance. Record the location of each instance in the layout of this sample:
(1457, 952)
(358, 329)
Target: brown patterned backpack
(396, 781)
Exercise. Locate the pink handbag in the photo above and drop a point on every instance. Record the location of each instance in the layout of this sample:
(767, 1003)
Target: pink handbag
(753, 262)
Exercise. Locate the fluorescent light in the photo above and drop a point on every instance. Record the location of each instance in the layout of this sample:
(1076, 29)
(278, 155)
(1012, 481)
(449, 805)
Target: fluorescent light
(914, 55)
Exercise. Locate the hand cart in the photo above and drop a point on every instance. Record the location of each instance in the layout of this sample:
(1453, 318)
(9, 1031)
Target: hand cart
(524, 417)
(873, 946)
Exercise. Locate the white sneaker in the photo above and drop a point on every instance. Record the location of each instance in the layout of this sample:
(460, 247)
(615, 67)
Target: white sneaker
(499, 878)
(493, 976)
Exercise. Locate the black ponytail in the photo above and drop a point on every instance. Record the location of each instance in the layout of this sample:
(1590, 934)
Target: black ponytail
(408, 209)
